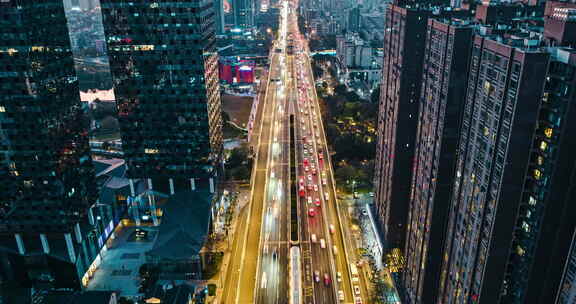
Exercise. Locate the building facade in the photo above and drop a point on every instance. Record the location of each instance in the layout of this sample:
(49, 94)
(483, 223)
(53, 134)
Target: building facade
(509, 230)
(165, 69)
(397, 120)
(48, 183)
(441, 106)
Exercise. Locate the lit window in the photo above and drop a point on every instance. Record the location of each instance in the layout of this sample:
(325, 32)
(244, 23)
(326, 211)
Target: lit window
(548, 132)
(543, 145)
(537, 174)
(150, 151)
(520, 251)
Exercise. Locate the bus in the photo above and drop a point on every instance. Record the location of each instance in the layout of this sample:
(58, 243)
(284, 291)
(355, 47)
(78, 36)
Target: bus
(295, 276)
(354, 273)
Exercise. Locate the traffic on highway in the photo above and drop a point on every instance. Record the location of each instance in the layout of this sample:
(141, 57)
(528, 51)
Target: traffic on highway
(312, 267)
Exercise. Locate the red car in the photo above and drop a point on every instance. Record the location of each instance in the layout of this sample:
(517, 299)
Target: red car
(327, 280)
(317, 202)
(311, 212)
(305, 161)
(320, 156)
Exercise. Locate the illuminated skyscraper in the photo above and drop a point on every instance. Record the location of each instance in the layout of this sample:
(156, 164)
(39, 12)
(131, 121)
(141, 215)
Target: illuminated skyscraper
(165, 69)
(47, 177)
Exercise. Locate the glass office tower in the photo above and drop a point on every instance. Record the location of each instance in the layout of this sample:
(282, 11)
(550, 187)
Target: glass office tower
(46, 173)
(164, 65)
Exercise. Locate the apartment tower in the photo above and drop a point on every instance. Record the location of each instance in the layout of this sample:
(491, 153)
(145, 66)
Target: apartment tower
(404, 45)
(441, 102)
(510, 226)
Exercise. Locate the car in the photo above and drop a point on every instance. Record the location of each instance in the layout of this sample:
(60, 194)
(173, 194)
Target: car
(340, 295)
(327, 196)
(320, 156)
(301, 181)
(305, 168)
(331, 228)
(322, 243)
(316, 188)
(327, 280)
(305, 161)
(316, 276)
(364, 212)
(358, 300)
(335, 250)
(356, 194)
(317, 202)
(311, 212)
(324, 181)
(309, 200)
(309, 177)
(305, 146)
(305, 152)
(313, 238)
(371, 194)
(314, 171)
(338, 277)
(356, 290)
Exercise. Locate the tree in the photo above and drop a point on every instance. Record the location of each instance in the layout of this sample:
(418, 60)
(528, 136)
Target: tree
(241, 173)
(375, 97)
(345, 173)
(238, 156)
(225, 117)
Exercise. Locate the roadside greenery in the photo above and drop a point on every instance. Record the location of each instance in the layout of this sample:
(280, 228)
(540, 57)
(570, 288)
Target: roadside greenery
(350, 126)
(239, 164)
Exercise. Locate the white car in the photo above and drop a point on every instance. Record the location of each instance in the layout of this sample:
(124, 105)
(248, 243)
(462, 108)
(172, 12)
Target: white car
(339, 277)
(322, 243)
(316, 188)
(313, 238)
(356, 290)
(309, 176)
(340, 295)
(324, 181)
(309, 200)
(335, 250)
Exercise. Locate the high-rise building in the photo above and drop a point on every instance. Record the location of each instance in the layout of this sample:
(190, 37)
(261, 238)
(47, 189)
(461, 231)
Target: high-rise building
(398, 118)
(243, 13)
(441, 105)
(47, 177)
(165, 70)
(510, 221)
(219, 16)
(354, 17)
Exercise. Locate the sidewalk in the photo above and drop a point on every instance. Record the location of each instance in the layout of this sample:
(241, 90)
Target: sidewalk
(367, 237)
